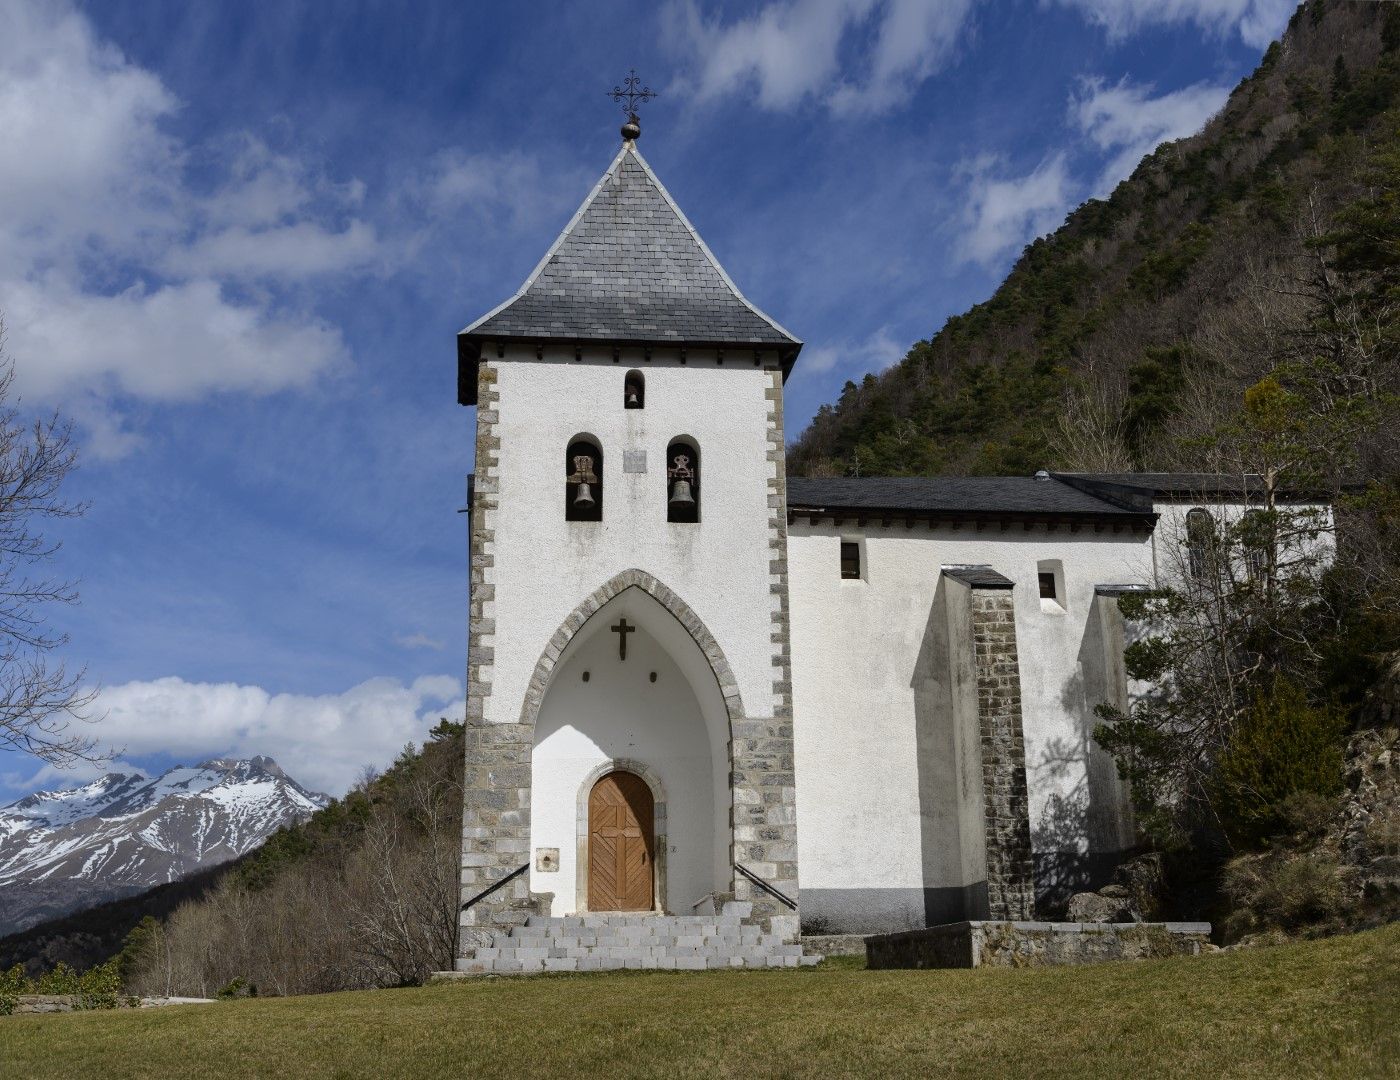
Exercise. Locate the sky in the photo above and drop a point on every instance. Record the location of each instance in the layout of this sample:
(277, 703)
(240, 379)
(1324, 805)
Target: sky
(238, 239)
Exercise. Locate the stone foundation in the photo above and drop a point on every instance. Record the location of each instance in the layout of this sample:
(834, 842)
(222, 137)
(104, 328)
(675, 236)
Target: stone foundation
(1034, 944)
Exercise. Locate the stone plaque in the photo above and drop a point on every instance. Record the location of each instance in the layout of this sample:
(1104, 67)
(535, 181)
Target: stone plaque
(634, 461)
(547, 859)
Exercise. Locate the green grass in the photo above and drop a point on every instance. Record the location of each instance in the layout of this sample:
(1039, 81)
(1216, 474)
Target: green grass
(1312, 1008)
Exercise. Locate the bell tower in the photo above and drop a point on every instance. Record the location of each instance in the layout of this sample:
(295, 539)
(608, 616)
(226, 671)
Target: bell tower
(629, 474)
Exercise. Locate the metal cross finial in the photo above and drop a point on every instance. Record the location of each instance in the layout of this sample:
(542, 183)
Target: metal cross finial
(634, 93)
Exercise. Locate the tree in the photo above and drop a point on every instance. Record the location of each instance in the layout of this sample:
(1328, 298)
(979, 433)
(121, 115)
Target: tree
(39, 697)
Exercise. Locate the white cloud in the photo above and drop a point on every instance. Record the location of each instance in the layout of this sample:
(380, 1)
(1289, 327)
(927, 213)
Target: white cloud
(795, 50)
(1258, 22)
(855, 358)
(1003, 213)
(508, 188)
(1127, 122)
(54, 778)
(322, 741)
(118, 274)
(420, 640)
(165, 343)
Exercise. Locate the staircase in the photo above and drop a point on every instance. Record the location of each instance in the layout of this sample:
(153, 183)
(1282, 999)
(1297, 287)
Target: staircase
(656, 942)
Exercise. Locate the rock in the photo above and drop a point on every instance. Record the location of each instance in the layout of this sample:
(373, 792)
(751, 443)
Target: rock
(1095, 907)
(1142, 878)
(1116, 892)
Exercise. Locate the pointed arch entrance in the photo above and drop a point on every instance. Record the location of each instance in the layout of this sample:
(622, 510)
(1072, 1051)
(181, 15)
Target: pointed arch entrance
(632, 692)
(509, 818)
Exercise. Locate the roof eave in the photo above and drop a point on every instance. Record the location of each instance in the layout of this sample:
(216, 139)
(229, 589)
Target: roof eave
(469, 346)
(892, 514)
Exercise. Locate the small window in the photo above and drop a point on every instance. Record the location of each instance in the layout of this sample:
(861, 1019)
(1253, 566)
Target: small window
(583, 481)
(850, 560)
(634, 391)
(1200, 542)
(1050, 578)
(1256, 537)
(682, 481)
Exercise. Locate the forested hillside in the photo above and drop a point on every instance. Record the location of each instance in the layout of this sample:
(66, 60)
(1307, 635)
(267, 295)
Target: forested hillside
(1114, 341)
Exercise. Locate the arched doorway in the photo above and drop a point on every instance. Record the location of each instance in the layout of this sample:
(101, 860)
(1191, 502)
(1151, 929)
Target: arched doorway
(621, 844)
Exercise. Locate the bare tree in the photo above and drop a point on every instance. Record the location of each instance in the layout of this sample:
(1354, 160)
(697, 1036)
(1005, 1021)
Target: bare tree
(39, 697)
(1090, 432)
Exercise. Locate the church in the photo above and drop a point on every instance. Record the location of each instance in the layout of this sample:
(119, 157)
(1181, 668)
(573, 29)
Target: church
(699, 688)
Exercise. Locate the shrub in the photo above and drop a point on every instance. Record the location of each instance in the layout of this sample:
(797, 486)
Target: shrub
(97, 988)
(238, 987)
(1284, 890)
(1281, 751)
(12, 984)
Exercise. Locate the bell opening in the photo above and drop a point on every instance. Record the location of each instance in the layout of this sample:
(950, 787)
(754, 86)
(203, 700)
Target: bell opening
(583, 480)
(682, 482)
(634, 390)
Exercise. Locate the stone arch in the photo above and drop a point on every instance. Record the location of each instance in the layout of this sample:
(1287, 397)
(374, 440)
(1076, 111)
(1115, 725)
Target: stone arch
(678, 608)
(658, 797)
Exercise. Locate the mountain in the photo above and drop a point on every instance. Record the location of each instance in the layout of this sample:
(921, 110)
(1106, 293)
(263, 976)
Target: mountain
(1191, 281)
(123, 833)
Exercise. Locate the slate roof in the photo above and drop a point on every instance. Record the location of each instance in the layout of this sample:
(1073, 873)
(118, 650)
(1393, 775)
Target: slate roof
(979, 577)
(1182, 485)
(966, 496)
(628, 269)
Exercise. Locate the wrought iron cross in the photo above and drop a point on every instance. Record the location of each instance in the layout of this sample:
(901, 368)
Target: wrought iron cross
(633, 93)
(622, 629)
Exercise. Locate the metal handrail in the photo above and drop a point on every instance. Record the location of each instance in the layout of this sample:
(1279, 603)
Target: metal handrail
(769, 889)
(492, 888)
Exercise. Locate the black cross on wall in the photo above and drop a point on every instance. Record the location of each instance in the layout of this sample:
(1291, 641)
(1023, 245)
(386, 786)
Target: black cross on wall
(622, 629)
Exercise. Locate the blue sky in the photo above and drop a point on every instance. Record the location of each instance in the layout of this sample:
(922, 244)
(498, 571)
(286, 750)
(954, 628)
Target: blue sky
(238, 239)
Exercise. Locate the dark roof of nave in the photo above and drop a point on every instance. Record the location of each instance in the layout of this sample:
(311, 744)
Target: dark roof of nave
(629, 269)
(1188, 485)
(1039, 498)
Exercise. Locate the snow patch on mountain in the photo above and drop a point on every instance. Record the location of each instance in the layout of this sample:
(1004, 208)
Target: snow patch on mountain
(124, 832)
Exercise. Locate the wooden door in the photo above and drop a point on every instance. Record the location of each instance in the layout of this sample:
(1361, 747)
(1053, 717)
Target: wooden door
(620, 840)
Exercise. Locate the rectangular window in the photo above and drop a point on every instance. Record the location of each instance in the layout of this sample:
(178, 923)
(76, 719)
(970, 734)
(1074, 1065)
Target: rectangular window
(850, 559)
(1047, 585)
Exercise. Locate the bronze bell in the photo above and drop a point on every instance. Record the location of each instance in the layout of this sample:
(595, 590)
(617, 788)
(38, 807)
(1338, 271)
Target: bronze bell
(633, 402)
(681, 495)
(584, 476)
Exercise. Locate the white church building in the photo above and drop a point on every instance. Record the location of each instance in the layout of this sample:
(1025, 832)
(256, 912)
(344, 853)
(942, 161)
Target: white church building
(866, 703)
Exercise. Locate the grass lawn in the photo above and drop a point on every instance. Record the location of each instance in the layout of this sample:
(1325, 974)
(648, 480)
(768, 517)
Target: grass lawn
(1315, 1008)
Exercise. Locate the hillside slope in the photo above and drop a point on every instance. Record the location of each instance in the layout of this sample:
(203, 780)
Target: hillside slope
(1184, 284)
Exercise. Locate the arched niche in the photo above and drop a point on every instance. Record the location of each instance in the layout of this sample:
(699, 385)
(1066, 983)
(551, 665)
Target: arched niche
(634, 390)
(683, 480)
(583, 479)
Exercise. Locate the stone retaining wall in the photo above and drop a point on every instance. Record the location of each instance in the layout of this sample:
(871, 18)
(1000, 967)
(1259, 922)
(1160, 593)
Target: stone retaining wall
(1034, 944)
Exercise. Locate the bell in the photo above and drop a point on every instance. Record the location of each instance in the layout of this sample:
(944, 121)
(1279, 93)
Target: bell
(633, 402)
(680, 495)
(584, 499)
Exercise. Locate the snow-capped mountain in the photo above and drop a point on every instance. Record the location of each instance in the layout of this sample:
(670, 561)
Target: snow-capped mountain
(61, 851)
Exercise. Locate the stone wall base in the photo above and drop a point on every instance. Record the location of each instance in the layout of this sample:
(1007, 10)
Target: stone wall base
(1034, 944)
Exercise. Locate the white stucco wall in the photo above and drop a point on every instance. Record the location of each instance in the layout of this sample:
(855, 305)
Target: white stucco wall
(1168, 554)
(544, 565)
(877, 818)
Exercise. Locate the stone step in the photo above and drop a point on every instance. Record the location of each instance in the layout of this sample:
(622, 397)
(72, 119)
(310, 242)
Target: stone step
(629, 922)
(616, 941)
(540, 965)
